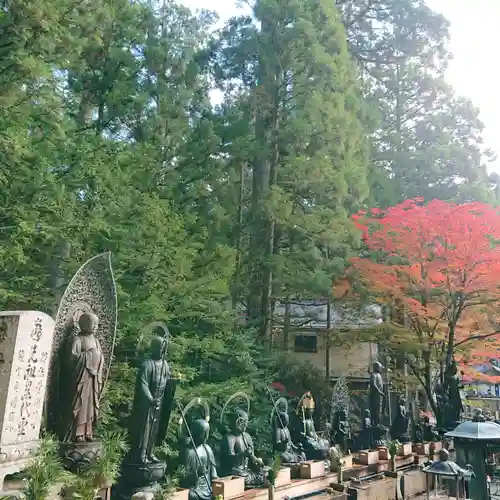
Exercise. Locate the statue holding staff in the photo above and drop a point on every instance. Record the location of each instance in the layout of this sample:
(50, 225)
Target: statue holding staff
(151, 410)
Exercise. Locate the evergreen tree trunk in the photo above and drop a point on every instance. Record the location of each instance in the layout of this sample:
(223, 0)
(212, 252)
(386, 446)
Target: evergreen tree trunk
(264, 176)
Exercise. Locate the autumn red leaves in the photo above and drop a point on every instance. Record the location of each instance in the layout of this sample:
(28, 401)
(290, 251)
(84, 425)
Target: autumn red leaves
(438, 265)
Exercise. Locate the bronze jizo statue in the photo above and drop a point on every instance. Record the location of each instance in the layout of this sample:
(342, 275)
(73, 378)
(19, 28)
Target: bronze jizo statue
(315, 447)
(282, 440)
(151, 409)
(400, 427)
(237, 451)
(199, 463)
(85, 371)
(376, 393)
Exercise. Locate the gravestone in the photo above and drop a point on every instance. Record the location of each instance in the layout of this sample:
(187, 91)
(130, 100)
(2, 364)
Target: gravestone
(25, 350)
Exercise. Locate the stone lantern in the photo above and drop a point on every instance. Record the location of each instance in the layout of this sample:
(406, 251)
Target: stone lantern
(475, 442)
(445, 479)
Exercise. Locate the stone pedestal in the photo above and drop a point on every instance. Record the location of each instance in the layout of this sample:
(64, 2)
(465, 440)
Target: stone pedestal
(25, 349)
(140, 478)
(78, 457)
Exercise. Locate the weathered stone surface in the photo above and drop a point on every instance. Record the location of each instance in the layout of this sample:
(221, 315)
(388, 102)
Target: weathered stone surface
(25, 348)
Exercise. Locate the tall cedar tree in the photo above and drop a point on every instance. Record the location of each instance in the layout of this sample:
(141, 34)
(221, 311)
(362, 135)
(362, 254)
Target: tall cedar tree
(429, 141)
(308, 156)
(439, 263)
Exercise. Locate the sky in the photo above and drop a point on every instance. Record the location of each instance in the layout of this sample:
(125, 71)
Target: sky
(473, 70)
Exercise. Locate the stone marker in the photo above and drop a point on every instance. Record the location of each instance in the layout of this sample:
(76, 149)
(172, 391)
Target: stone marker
(25, 349)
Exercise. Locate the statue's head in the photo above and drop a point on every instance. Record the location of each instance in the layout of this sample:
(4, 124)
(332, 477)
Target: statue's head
(401, 400)
(343, 415)
(88, 323)
(308, 404)
(157, 344)
(377, 367)
(452, 369)
(239, 422)
(368, 414)
(200, 431)
(283, 419)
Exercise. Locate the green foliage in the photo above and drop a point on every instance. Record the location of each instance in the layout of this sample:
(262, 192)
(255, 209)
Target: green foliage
(109, 141)
(428, 142)
(43, 471)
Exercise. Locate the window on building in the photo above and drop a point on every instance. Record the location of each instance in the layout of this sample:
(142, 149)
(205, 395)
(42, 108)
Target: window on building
(306, 343)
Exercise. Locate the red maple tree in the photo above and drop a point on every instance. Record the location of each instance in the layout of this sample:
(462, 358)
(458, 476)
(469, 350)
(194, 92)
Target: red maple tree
(438, 263)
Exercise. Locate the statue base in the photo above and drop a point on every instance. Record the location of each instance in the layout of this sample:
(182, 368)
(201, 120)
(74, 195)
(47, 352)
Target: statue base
(78, 457)
(403, 438)
(140, 477)
(379, 435)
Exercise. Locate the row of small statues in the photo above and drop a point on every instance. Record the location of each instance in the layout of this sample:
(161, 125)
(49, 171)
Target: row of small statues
(237, 453)
(237, 457)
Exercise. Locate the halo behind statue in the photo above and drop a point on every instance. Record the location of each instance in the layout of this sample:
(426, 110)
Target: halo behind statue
(145, 334)
(306, 401)
(193, 404)
(236, 395)
(280, 402)
(92, 289)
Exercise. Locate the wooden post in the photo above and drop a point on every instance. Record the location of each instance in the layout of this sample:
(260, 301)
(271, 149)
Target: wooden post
(327, 339)
(286, 325)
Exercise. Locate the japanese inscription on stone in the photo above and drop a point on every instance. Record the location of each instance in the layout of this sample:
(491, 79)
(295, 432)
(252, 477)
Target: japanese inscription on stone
(25, 345)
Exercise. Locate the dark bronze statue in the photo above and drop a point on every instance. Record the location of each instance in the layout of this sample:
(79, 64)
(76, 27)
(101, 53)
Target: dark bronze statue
(376, 393)
(452, 389)
(341, 432)
(282, 440)
(478, 416)
(400, 428)
(150, 410)
(85, 376)
(366, 434)
(199, 462)
(428, 432)
(237, 452)
(315, 447)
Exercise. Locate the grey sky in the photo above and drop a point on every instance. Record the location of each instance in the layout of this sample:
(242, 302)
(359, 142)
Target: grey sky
(472, 72)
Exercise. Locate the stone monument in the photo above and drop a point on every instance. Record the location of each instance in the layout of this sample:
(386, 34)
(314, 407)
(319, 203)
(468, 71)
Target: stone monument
(25, 350)
(84, 338)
